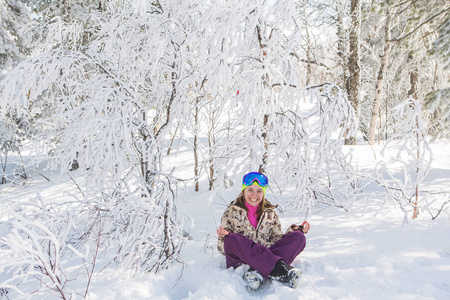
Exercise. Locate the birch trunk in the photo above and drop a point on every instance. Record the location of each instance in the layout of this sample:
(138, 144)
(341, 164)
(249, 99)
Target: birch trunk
(380, 79)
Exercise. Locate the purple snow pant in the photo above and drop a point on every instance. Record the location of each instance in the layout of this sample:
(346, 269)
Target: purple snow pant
(242, 250)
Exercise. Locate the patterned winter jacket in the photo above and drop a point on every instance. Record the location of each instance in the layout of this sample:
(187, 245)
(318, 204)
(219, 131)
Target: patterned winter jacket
(267, 232)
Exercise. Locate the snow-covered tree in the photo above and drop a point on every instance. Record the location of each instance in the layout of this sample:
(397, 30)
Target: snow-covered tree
(310, 156)
(438, 100)
(252, 49)
(14, 39)
(440, 44)
(397, 37)
(248, 90)
(108, 108)
(13, 132)
(438, 103)
(405, 188)
(38, 254)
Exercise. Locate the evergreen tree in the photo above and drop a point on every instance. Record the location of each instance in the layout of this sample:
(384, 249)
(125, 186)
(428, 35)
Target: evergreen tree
(440, 45)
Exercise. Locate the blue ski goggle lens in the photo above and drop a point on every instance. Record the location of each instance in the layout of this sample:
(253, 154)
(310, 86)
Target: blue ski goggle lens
(250, 178)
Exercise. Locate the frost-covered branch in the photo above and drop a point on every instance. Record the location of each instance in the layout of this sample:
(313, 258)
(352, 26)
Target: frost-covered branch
(410, 140)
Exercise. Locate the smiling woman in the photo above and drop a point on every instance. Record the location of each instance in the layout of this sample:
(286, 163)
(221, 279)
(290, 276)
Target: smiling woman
(250, 233)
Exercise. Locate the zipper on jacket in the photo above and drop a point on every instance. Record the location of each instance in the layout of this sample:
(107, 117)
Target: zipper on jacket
(259, 223)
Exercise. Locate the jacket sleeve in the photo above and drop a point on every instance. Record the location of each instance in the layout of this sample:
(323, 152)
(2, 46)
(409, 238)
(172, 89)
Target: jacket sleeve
(227, 225)
(289, 230)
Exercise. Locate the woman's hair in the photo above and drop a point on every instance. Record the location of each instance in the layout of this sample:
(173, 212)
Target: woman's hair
(240, 201)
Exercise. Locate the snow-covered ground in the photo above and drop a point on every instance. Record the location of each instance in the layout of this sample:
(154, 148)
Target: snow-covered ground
(352, 255)
(365, 253)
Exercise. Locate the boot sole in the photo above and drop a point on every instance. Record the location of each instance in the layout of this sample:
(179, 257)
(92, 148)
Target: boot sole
(296, 279)
(253, 281)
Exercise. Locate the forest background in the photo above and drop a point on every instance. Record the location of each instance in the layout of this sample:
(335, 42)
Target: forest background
(104, 92)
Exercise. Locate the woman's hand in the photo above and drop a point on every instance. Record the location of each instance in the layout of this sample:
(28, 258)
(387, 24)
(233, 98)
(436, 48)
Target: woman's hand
(221, 232)
(303, 228)
(306, 227)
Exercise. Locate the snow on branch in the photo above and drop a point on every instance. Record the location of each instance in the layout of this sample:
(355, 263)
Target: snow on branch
(309, 153)
(411, 143)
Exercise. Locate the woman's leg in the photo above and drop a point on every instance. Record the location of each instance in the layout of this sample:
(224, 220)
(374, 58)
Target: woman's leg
(240, 249)
(289, 246)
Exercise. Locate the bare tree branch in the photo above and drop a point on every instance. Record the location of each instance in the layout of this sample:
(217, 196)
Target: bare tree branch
(418, 27)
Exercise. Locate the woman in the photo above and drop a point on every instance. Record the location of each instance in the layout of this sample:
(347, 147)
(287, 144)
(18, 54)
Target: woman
(250, 233)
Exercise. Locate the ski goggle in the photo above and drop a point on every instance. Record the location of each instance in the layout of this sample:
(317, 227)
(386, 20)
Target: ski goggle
(252, 177)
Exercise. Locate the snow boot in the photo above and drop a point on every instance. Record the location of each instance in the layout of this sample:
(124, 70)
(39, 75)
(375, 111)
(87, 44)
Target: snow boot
(286, 274)
(253, 279)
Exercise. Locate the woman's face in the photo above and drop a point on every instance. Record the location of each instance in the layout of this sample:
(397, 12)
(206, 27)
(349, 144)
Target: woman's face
(253, 194)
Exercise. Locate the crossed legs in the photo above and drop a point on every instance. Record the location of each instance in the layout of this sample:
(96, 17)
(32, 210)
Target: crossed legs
(242, 250)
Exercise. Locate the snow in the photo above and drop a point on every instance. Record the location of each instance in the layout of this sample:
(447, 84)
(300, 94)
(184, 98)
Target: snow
(106, 102)
(364, 253)
(356, 255)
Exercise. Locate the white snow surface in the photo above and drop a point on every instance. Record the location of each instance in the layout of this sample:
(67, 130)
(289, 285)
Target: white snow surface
(364, 253)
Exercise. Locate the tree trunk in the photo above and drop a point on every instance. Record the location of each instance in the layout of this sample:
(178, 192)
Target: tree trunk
(354, 72)
(416, 209)
(4, 166)
(308, 57)
(266, 144)
(196, 168)
(342, 53)
(172, 140)
(265, 80)
(211, 143)
(379, 84)
(211, 175)
(413, 78)
(412, 93)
